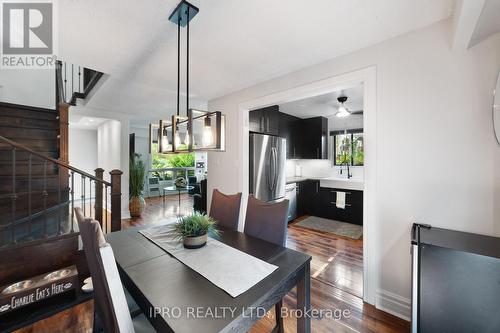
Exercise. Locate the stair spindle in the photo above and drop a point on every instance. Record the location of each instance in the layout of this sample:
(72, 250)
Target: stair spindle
(65, 85)
(59, 200)
(90, 196)
(13, 196)
(106, 206)
(72, 79)
(44, 196)
(82, 196)
(30, 217)
(72, 194)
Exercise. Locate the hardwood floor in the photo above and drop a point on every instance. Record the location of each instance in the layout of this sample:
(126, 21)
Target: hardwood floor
(160, 210)
(336, 276)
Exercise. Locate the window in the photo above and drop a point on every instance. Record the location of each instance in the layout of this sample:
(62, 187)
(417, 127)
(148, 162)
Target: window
(348, 147)
(162, 161)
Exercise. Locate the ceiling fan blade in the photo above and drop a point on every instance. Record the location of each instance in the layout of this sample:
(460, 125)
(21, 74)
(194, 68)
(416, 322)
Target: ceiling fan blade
(357, 112)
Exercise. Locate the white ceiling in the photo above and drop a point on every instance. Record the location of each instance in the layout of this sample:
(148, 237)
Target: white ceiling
(86, 123)
(325, 105)
(234, 44)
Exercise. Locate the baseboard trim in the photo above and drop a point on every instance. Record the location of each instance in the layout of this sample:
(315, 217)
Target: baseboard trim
(125, 214)
(394, 304)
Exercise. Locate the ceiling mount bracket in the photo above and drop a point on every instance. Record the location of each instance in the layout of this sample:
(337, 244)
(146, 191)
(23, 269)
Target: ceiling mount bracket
(183, 13)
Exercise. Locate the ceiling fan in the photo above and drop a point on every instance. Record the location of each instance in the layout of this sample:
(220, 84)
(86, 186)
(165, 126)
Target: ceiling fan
(342, 111)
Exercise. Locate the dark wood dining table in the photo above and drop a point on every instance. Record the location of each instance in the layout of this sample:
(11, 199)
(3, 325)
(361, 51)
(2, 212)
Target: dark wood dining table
(175, 298)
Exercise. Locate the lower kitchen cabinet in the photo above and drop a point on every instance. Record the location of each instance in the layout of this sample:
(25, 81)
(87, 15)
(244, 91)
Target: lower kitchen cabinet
(325, 205)
(321, 201)
(307, 193)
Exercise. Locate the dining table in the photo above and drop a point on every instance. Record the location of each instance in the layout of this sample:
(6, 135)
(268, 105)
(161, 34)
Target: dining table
(175, 298)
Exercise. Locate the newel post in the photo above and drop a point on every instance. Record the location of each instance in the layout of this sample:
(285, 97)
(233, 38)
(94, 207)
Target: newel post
(116, 200)
(99, 174)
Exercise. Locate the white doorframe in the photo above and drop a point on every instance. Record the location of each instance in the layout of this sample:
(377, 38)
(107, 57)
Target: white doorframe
(367, 76)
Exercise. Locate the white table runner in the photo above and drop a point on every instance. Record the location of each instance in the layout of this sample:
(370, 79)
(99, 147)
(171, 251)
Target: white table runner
(228, 268)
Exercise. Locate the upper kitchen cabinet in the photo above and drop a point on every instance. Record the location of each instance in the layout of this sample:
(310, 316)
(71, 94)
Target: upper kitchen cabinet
(265, 120)
(313, 138)
(289, 129)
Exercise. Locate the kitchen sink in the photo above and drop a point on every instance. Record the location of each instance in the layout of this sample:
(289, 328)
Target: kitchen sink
(343, 183)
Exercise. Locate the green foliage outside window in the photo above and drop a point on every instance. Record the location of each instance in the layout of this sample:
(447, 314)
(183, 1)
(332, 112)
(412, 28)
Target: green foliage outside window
(162, 161)
(349, 149)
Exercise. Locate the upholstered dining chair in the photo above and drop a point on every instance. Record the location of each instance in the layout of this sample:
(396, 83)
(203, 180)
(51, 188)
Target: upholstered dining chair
(268, 221)
(109, 298)
(226, 209)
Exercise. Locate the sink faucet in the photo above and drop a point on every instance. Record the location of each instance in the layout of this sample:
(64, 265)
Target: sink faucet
(349, 174)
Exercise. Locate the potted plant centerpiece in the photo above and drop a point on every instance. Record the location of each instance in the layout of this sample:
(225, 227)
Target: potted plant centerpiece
(193, 230)
(137, 174)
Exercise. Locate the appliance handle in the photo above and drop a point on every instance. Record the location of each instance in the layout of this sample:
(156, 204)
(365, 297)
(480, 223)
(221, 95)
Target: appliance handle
(274, 160)
(270, 174)
(276, 166)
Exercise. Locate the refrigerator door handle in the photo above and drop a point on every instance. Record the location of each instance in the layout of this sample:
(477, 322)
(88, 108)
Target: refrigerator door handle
(276, 168)
(273, 168)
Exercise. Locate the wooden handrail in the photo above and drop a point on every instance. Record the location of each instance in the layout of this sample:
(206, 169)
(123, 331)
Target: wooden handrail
(53, 160)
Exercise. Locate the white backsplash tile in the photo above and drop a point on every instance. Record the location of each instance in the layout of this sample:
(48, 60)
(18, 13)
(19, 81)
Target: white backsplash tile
(319, 168)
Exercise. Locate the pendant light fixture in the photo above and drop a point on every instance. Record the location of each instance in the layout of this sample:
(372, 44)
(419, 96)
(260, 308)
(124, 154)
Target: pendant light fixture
(197, 130)
(342, 110)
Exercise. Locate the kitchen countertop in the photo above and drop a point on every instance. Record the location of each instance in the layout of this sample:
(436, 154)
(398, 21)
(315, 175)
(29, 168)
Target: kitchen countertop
(331, 182)
(294, 179)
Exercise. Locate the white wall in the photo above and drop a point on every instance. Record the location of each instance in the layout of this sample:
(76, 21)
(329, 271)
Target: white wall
(82, 154)
(438, 160)
(113, 153)
(108, 150)
(33, 87)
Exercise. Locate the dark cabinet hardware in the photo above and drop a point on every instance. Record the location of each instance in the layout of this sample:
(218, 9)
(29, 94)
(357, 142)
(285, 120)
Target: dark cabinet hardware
(334, 191)
(334, 203)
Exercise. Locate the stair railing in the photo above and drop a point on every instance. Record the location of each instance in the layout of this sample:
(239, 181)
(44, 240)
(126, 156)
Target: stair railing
(74, 81)
(103, 205)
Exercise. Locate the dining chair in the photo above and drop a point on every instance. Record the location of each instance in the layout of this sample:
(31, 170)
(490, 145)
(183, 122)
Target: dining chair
(268, 221)
(109, 298)
(225, 209)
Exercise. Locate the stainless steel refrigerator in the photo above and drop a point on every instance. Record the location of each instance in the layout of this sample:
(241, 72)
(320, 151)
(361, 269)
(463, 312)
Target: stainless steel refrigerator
(267, 167)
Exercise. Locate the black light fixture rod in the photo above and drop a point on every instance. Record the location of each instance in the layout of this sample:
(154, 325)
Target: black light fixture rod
(178, 62)
(187, 63)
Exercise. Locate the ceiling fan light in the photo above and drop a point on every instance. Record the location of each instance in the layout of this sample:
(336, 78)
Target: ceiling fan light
(342, 112)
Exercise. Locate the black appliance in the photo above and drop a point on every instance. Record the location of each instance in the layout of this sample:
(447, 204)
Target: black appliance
(455, 281)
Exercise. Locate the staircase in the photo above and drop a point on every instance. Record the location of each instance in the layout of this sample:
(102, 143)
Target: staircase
(76, 82)
(38, 186)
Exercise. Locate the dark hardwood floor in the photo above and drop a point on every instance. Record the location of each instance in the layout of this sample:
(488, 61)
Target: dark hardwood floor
(336, 271)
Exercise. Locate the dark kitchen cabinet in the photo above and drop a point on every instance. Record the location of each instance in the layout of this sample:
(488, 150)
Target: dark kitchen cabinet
(265, 120)
(305, 138)
(325, 205)
(313, 134)
(289, 129)
(307, 194)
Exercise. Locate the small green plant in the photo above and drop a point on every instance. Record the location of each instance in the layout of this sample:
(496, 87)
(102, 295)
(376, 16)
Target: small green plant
(137, 173)
(194, 225)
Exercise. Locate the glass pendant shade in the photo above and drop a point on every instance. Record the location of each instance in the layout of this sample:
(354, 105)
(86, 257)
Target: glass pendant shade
(182, 141)
(207, 130)
(165, 137)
